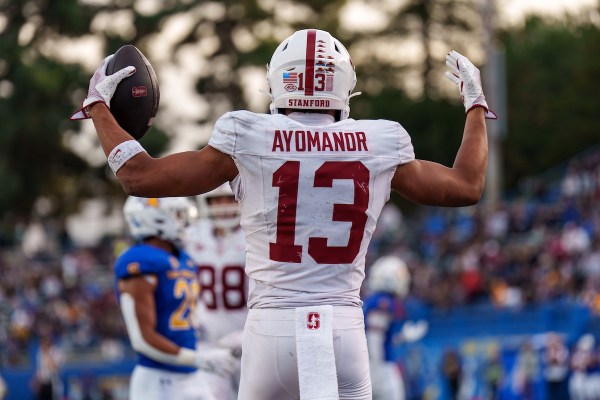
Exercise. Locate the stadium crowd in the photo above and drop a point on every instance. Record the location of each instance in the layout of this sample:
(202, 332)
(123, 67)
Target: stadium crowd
(539, 247)
(528, 250)
(65, 293)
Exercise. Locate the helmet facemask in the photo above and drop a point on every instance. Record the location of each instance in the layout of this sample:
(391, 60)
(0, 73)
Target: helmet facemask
(224, 212)
(220, 206)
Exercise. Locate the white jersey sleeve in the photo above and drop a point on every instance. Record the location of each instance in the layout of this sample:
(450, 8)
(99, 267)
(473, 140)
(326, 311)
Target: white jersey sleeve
(310, 197)
(223, 136)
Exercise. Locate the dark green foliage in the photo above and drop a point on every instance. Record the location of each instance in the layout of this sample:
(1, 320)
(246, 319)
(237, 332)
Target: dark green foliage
(434, 125)
(553, 71)
(553, 88)
(36, 98)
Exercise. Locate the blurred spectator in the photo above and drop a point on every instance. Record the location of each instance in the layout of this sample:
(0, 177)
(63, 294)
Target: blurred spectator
(112, 350)
(47, 374)
(571, 185)
(574, 239)
(496, 225)
(3, 388)
(526, 371)
(452, 372)
(493, 374)
(415, 365)
(388, 231)
(590, 263)
(556, 367)
(582, 363)
(70, 291)
(470, 274)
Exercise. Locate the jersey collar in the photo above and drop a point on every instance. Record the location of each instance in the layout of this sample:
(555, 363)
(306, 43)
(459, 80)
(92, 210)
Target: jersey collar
(312, 119)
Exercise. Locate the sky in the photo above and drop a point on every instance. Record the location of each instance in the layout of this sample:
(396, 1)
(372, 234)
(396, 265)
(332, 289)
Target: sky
(513, 11)
(359, 14)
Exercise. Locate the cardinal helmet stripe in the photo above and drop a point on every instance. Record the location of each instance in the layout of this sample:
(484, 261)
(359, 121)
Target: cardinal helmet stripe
(309, 70)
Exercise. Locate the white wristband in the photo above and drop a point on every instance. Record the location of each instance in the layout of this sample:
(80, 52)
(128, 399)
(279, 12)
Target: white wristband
(187, 357)
(122, 153)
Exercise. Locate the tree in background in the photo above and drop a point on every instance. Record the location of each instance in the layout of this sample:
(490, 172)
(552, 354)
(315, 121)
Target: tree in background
(33, 158)
(210, 58)
(441, 25)
(37, 88)
(42, 81)
(552, 72)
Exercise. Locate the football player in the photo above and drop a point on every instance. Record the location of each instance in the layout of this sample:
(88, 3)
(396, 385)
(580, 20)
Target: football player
(388, 325)
(157, 288)
(216, 243)
(311, 183)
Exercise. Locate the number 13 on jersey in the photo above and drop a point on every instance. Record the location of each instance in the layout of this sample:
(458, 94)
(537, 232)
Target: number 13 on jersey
(286, 178)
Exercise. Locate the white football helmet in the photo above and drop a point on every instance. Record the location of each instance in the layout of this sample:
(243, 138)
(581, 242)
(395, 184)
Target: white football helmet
(164, 218)
(311, 70)
(182, 208)
(224, 215)
(586, 342)
(389, 274)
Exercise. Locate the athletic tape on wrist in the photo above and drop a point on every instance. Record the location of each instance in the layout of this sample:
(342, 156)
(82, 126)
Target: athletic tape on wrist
(122, 153)
(187, 357)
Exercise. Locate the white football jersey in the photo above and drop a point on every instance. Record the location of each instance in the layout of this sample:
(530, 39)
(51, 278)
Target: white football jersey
(310, 191)
(223, 283)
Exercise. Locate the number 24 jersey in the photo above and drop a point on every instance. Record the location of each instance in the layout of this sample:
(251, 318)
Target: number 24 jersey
(174, 297)
(310, 196)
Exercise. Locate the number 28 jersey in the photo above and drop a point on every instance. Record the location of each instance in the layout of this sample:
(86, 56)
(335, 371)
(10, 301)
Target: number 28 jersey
(310, 195)
(223, 286)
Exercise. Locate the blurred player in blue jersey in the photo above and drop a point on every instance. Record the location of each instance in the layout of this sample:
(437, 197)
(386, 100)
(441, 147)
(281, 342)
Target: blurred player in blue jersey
(387, 325)
(157, 288)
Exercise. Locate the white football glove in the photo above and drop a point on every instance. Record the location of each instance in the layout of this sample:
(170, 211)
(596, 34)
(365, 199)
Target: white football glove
(216, 360)
(413, 331)
(233, 342)
(102, 87)
(467, 77)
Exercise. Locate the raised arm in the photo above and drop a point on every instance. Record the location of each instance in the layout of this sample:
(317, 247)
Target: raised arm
(181, 174)
(429, 183)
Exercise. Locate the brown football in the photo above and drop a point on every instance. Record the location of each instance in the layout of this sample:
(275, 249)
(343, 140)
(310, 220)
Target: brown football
(135, 102)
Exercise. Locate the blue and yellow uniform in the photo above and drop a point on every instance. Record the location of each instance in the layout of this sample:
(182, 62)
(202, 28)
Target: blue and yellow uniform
(175, 295)
(391, 308)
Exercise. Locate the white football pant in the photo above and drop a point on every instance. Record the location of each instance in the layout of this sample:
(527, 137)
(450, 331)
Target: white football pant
(387, 382)
(222, 387)
(269, 363)
(157, 384)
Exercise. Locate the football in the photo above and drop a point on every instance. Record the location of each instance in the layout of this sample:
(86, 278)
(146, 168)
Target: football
(136, 98)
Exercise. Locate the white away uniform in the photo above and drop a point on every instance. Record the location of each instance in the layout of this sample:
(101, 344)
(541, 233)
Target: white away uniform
(223, 286)
(223, 292)
(310, 192)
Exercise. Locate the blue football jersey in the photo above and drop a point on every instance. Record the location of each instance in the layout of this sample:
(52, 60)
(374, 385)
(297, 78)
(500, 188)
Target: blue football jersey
(175, 295)
(392, 308)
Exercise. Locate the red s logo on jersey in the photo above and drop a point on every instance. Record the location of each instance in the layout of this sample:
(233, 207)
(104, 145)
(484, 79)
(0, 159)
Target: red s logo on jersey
(313, 321)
